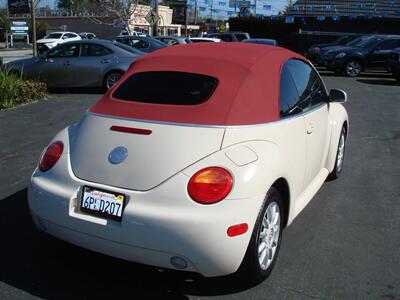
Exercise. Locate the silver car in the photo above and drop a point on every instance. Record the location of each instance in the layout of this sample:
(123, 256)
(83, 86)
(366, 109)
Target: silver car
(173, 40)
(84, 63)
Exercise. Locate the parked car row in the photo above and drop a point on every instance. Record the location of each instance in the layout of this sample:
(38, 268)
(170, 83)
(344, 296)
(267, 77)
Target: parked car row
(363, 53)
(79, 63)
(100, 63)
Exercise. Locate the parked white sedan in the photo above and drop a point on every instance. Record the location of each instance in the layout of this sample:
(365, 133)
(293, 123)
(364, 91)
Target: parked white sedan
(195, 166)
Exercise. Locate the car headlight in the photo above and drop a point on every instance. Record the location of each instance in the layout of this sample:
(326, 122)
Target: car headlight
(341, 55)
(315, 49)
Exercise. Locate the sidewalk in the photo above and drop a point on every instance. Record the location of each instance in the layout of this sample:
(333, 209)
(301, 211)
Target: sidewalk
(13, 54)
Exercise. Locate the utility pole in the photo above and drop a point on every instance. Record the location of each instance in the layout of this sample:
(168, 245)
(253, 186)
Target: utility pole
(155, 26)
(33, 27)
(255, 8)
(186, 18)
(195, 12)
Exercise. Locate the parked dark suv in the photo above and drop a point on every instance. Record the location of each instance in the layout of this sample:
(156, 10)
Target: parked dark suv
(370, 52)
(232, 36)
(315, 50)
(394, 63)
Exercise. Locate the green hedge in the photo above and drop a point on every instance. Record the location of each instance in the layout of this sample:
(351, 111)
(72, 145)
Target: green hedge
(14, 90)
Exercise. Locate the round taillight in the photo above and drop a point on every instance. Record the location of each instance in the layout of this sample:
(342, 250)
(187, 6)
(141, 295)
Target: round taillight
(210, 185)
(51, 156)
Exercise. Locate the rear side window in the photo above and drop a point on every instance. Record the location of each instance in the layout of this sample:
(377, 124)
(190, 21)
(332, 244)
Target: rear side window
(138, 44)
(94, 50)
(309, 86)
(289, 97)
(224, 37)
(177, 88)
(241, 36)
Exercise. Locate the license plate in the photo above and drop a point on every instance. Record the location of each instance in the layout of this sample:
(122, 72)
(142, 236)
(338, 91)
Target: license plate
(102, 203)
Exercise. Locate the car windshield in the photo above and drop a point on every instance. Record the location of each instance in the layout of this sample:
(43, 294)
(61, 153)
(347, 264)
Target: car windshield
(127, 48)
(177, 88)
(366, 42)
(355, 41)
(53, 36)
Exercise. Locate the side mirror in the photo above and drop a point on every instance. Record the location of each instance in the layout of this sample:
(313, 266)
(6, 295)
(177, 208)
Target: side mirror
(336, 95)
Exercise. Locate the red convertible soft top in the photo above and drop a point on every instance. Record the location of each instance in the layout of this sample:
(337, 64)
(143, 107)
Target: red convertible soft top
(247, 92)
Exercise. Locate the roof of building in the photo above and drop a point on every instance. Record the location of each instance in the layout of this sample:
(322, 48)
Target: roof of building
(248, 84)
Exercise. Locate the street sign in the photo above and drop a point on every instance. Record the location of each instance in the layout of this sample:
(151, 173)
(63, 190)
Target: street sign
(152, 18)
(19, 28)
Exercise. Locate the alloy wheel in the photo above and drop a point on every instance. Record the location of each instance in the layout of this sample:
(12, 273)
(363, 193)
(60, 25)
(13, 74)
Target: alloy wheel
(112, 79)
(269, 235)
(353, 68)
(340, 154)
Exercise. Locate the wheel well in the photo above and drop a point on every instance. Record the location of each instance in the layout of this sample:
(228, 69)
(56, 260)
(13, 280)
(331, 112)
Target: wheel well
(345, 127)
(113, 71)
(282, 186)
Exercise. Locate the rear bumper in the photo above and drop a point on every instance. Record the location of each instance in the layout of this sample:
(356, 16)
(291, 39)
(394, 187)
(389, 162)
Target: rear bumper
(157, 225)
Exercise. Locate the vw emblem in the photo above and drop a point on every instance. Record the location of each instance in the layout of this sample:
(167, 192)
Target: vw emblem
(118, 155)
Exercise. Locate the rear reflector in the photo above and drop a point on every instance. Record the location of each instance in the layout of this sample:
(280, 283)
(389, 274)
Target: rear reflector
(237, 229)
(131, 130)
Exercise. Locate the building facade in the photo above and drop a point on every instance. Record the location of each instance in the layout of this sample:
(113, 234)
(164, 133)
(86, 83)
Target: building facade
(350, 8)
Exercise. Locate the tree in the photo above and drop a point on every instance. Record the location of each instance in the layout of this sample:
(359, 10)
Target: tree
(3, 20)
(73, 7)
(112, 12)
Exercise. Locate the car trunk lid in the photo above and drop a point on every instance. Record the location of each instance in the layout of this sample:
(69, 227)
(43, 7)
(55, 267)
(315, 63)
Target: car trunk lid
(154, 151)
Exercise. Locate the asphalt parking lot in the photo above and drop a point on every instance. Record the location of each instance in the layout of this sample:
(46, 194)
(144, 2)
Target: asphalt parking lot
(344, 245)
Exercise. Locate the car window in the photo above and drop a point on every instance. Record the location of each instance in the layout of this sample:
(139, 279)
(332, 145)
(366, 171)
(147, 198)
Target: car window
(309, 85)
(53, 36)
(127, 48)
(177, 88)
(94, 50)
(71, 50)
(240, 36)
(223, 37)
(386, 45)
(138, 44)
(168, 41)
(289, 97)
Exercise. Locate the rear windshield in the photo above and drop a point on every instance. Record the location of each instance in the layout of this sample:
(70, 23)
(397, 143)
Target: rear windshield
(178, 88)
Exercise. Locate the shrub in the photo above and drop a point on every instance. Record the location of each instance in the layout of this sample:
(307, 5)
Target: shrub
(14, 90)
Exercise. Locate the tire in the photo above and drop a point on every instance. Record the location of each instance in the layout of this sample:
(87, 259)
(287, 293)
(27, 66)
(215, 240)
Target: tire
(111, 78)
(337, 170)
(353, 68)
(253, 269)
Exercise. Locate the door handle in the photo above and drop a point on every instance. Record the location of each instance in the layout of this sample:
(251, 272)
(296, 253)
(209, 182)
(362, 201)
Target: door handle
(310, 128)
(105, 61)
(67, 63)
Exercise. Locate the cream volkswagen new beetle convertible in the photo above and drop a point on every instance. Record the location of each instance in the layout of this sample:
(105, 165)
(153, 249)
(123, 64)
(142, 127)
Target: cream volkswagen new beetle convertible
(195, 160)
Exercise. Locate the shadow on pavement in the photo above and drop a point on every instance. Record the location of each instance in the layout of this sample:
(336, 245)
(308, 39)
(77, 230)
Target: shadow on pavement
(76, 91)
(392, 82)
(50, 268)
(327, 73)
